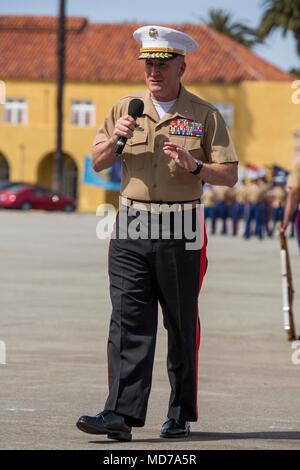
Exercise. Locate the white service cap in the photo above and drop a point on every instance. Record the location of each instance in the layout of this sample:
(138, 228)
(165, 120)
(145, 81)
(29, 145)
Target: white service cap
(159, 42)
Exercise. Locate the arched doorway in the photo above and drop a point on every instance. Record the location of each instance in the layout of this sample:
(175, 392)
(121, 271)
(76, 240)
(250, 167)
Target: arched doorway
(4, 168)
(69, 176)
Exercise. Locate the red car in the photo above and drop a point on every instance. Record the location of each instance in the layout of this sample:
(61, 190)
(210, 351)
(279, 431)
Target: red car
(29, 196)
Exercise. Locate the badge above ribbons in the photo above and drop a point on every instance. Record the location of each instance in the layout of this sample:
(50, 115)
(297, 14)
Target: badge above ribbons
(186, 127)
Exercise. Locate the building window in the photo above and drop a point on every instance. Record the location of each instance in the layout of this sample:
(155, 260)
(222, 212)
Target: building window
(82, 113)
(15, 111)
(226, 109)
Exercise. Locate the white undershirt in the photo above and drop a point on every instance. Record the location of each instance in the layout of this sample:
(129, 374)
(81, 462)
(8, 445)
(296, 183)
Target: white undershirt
(162, 107)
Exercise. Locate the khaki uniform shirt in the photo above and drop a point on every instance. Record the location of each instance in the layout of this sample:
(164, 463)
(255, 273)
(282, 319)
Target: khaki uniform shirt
(255, 193)
(208, 197)
(149, 174)
(230, 197)
(241, 194)
(279, 196)
(265, 188)
(223, 193)
(294, 177)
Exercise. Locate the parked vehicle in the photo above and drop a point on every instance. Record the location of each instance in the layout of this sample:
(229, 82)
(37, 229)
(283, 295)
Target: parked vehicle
(5, 184)
(32, 196)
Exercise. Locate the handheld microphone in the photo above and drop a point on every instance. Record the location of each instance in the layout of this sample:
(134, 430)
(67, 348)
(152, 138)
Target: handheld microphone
(135, 109)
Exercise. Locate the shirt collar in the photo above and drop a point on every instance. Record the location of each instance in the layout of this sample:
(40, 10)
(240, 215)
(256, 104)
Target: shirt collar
(149, 108)
(179, 108)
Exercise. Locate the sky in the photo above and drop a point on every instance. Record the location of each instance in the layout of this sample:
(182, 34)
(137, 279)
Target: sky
(278, 50)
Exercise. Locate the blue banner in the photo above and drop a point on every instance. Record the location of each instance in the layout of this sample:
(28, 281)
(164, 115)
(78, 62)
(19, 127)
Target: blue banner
(109, 179)
(279, 174)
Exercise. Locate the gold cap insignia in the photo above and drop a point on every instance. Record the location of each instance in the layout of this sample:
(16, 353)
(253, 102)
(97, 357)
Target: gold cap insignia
(153, 33)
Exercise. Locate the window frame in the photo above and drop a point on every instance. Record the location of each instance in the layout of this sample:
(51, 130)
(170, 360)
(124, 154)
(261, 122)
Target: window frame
(85, 108)
(14, 106)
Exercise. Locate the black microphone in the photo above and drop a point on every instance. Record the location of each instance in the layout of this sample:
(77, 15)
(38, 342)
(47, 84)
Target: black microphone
(135, 109)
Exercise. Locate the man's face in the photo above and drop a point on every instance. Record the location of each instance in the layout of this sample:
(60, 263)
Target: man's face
(163, 77)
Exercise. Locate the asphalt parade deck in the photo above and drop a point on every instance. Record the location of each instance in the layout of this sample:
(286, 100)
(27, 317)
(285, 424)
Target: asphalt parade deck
(55, 311)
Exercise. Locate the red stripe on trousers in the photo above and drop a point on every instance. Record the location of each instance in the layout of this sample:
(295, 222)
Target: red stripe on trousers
(201, 276)
(296, 222)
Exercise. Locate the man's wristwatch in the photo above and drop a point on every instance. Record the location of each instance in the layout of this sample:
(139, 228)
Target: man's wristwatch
(198, 169)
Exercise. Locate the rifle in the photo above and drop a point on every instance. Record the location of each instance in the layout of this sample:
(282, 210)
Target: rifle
(287, 288)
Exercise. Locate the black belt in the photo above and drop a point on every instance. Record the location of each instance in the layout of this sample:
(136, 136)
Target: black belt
(162, 202)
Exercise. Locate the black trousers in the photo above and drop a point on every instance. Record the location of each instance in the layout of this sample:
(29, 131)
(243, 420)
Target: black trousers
(144, 271)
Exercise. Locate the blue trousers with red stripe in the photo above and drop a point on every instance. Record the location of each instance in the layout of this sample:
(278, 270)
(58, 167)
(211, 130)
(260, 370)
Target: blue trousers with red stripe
(237, 214)
(297, 226)
(221, 212)
(210, 213)
(145, 272)
(253, 212)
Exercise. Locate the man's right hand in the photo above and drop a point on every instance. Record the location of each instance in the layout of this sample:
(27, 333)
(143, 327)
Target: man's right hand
(124, 127)
(103, 155)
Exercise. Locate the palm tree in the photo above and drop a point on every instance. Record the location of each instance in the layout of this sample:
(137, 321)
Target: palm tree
(221, 21)
(295, 71)
(283, 14)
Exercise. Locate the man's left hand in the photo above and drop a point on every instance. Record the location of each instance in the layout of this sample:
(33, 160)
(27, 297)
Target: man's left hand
(180, 155)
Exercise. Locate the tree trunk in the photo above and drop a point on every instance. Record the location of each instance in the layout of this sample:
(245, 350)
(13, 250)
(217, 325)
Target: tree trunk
(297, 36)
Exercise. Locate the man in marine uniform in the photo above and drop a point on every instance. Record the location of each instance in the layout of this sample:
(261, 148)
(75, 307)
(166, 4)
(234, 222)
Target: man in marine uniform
(178, 142)
(222, 201)
(240, 199)
(278, 195)
(208, 199)
(265, 188)
(293, 200)
(254, 208)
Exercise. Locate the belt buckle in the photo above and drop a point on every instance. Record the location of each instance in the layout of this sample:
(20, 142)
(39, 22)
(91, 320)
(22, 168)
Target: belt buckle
(125, 201)
(155, 208)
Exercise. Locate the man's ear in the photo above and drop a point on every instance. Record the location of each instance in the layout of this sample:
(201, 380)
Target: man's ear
(182, 69)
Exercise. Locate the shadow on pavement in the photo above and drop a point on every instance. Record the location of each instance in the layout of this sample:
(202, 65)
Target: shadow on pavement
(219, 436)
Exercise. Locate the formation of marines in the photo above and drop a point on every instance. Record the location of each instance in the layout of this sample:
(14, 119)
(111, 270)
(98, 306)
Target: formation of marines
(252, 208)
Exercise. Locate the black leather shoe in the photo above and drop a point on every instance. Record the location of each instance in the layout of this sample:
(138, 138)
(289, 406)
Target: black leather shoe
(175, 428)
(108, 423)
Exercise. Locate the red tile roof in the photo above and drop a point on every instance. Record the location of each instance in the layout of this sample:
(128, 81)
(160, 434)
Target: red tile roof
(44, 23)
(108, 52)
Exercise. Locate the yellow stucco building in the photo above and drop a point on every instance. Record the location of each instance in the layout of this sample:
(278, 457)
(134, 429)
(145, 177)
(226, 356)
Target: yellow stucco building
(259, 108)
